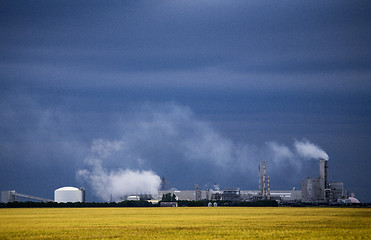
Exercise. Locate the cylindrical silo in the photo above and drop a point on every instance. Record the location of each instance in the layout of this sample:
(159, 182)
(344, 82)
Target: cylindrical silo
(68, 194)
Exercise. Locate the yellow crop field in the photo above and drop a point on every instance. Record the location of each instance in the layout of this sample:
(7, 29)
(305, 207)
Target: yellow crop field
(185, 223)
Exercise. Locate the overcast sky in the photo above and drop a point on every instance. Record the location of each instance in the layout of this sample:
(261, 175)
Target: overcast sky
(196, 91)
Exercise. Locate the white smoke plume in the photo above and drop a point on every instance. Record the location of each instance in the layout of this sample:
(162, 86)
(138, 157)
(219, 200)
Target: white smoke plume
(170, 129)
(281, 157)
(104, 148)
(309, 150)
(115, 183)
(281, 153)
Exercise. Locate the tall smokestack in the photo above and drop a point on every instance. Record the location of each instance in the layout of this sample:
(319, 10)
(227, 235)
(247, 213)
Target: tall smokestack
(264, 181)
(323, 172)
(260, 182)
(323, 177)
(268, 189)
(326, 175)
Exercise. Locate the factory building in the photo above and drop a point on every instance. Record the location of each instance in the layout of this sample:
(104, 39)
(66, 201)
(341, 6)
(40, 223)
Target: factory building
(13, 196)
(186, 195)
(8, 196)
(286, 196)
(336, 190)
(233, 195)
(311, 190)
(320, 190)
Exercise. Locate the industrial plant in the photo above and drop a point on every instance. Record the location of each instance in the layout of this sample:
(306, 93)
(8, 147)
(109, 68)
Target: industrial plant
(319, 189)
(313, 191)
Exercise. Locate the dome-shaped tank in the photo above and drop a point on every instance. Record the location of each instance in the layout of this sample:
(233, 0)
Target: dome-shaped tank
(68, 194)
(354, 200)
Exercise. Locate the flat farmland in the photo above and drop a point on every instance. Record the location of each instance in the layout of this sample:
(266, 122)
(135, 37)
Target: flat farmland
(185, 223)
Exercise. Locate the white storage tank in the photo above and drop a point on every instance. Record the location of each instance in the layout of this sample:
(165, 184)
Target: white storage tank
(133, 198)
(69, 194)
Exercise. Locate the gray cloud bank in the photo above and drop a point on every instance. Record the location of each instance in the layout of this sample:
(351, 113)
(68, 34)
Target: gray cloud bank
(245, 44)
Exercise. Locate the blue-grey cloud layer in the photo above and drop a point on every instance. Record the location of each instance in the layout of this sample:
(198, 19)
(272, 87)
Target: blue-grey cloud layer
(257, 71)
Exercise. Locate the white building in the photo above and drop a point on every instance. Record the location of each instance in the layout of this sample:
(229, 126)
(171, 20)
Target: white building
(69, 194)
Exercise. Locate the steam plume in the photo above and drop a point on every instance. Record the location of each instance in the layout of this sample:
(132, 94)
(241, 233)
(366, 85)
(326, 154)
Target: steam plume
(115, 183)
(309, 150)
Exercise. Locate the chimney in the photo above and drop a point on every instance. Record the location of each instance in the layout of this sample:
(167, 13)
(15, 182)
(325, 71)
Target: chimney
(323, 172)
(268, 189)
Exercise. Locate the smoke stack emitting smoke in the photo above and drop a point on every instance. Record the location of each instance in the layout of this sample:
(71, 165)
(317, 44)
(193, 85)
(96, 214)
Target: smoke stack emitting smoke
(195, 142)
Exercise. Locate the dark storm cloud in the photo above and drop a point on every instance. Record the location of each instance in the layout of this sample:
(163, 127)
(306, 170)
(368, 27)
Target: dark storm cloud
(256, 71)
(251, 37)
(181, 46)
